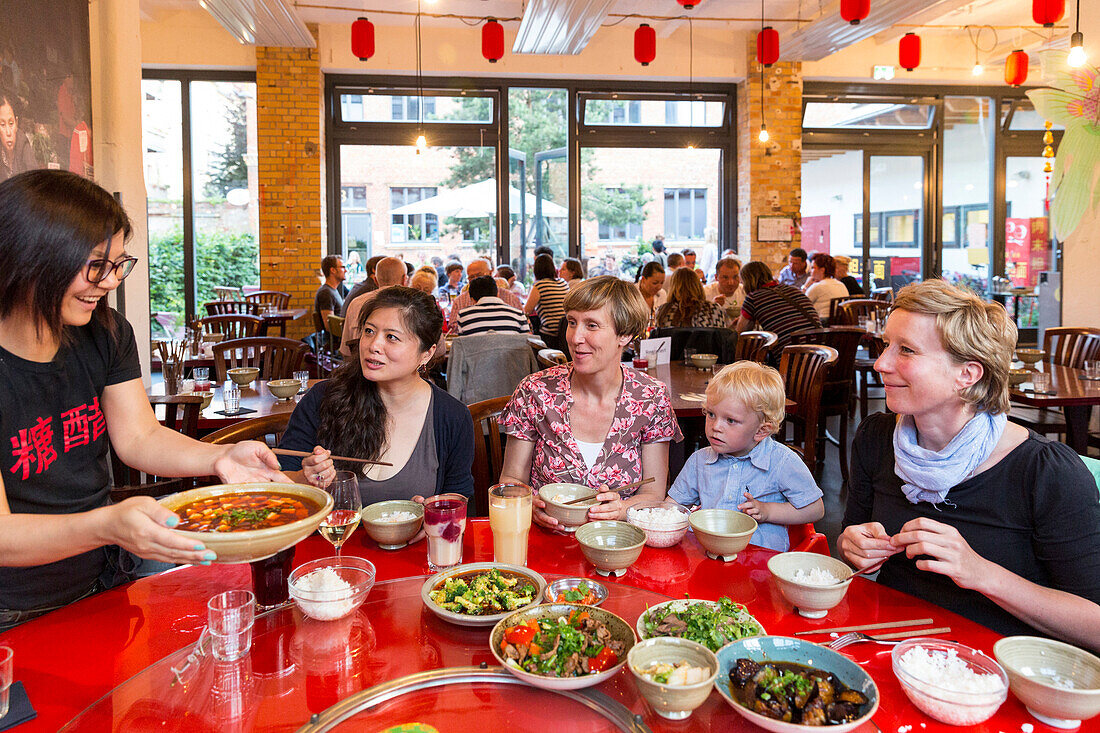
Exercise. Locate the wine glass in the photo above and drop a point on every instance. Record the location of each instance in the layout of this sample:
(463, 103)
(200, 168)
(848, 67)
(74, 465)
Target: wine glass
(346, 506)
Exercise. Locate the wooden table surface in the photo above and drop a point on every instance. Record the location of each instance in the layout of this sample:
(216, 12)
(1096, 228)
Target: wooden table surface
(1074, 394)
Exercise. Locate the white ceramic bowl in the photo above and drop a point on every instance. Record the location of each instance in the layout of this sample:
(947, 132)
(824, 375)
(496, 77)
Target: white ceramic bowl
(811, 601)
(659, 535)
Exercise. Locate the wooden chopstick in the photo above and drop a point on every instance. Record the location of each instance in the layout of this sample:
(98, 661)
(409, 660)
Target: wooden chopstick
(306, 454)
(912, 634)
(619, 490)
(866, 627)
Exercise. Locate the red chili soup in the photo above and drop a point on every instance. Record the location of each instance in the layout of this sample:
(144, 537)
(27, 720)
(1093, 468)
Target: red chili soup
(240, 512)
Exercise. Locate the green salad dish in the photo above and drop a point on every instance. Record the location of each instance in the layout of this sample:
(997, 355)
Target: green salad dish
(710, 623)
(480, 594)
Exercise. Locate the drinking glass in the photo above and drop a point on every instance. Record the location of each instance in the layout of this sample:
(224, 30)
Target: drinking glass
(444, 523)
(202, 378)
(229, 618)
(269, 579)
(1092, 369)
(1040, 381)
(346, 507)
(231, 395)
(687, 356)
(302, 377)
(510, 520)
(6, 675)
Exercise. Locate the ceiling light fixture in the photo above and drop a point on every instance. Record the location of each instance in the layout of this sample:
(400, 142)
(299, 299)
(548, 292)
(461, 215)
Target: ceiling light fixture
(975, 34)
(1077, 56)
(645, 44)
(763, 136)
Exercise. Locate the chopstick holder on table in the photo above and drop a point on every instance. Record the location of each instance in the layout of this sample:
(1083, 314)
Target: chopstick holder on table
(20, 709)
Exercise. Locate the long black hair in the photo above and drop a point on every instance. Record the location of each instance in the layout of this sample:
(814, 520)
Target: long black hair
(353, 416)
(50, 221)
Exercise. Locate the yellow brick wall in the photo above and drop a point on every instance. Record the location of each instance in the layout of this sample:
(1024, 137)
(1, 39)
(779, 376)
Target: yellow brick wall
(289, 107)
(769, 175)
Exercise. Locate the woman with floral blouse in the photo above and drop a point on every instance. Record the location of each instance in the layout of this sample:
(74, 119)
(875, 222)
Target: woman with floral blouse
(592, 421)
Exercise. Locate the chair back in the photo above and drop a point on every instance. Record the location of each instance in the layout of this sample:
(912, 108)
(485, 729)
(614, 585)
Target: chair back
(754, 345)
(234, 326)
(277, 358)
(722, 342)
(229, 307)
(551, 357)
(227, 292)
(836, 302)
(258, 428)
(886, 294)
(488, 449)
(804, 368)
(849, 312)
(841, 377)
(335, 326)
(276, 298)
(181, 413)
(1071, 346)
(486, 365)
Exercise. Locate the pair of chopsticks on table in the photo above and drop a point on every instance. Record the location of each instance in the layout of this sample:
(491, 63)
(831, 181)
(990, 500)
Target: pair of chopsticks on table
(306, 454)
(620, 491)
(885, 625)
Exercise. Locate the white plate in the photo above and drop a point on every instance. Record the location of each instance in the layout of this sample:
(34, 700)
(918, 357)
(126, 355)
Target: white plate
(462, 619)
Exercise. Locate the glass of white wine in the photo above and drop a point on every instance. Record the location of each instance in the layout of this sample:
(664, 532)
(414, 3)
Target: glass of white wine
(346, 507)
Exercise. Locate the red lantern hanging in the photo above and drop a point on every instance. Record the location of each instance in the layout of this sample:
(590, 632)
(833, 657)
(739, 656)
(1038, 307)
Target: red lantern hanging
(909, 51)
(1016, 68)
(1047, 12)
(645, 44)
(492, 41)
(854, 11)
(688, 4)
(767, 46)
(362, 39)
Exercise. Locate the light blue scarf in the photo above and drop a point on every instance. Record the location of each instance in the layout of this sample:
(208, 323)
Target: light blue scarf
(929, 475)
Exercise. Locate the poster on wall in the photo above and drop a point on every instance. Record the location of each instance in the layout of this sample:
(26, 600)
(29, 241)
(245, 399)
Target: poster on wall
(45, 88)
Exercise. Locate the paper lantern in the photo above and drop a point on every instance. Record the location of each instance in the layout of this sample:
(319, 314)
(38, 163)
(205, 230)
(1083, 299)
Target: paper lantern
(1016, 68)
(854, 11)
(1047, 12)
(645, 44)
(767, 46)
(688, 4)
(492, 41)
(362, 39)
(909, 51)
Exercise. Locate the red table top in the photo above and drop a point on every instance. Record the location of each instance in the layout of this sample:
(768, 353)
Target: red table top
(70, 658)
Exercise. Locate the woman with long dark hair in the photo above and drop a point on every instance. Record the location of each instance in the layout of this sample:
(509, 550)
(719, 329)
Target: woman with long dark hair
(687, 305)
(650, 283)
(70, 375)
(377, 405)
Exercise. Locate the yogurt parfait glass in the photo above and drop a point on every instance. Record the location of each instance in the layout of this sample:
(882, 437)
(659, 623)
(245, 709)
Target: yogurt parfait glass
(444, 523)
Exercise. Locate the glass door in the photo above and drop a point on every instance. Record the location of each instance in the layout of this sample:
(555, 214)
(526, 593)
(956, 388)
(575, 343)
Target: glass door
(895, 234)
(1028, 238)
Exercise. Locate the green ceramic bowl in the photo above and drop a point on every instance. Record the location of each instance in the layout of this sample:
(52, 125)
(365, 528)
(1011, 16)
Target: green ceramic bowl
(243, 375)
(1058, 683)
(811, 601)
(674, 702)
(572, 516)
(722, 532)
(611, 546)
(392, 535)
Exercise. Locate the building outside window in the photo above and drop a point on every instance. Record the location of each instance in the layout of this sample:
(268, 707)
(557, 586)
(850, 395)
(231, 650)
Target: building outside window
(685, 213)
(412, 227)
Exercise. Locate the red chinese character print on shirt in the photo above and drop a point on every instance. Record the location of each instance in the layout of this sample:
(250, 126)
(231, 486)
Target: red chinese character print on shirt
(34, 445)
(75, 427)
(96, 419)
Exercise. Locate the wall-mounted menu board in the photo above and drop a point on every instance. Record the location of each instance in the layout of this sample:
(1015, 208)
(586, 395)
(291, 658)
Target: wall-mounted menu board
(774, 228)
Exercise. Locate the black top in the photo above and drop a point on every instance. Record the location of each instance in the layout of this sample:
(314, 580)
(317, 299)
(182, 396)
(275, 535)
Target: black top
(454, 438)
(1035, 513)
(328, 299)
(54, 459)
(852, 284)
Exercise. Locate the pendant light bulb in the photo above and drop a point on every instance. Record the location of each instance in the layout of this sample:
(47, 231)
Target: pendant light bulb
(763, 133)
(978, 70)
(1077, 57)
(421, 144)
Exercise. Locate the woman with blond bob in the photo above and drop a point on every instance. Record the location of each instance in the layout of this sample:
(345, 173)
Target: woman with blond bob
(687, 305)
(976, 514)
(593, 421)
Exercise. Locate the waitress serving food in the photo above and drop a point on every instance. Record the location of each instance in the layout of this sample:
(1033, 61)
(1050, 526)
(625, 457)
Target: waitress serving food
(70, 375)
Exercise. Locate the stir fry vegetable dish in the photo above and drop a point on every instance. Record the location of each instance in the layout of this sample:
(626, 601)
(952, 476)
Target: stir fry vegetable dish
(561, 647)
(795, 693)
(484, 593)
(711, 625)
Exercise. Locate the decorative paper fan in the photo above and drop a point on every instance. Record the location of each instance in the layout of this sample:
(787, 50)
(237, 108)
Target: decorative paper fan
(1072, 100)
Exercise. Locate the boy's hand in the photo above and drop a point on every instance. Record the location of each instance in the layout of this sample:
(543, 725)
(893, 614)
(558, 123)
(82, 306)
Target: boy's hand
(758, 510)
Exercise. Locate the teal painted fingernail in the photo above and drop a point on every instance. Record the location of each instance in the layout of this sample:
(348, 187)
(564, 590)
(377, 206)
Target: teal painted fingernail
(204, 562)
(210, 555)
(172, 521)
(199, 548)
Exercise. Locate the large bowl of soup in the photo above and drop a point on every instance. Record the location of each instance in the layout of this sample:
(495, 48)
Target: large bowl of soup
(248, 522)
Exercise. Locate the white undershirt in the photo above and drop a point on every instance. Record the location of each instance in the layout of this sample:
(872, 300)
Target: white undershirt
(589, 452)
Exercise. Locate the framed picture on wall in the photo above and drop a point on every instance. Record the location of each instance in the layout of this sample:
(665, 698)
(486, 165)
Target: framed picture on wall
(774, 229)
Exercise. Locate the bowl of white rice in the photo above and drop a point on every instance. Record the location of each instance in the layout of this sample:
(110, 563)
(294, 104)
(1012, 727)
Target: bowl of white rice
(950, 682)
(332, 587)
(810, 582)
(665, 523)
(392, 523)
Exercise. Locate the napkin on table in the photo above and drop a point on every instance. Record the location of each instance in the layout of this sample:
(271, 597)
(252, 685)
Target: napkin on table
(19, 708)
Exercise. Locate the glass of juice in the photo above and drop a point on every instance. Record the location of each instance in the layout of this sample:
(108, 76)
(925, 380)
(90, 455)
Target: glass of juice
(510, 520)
(444, 523)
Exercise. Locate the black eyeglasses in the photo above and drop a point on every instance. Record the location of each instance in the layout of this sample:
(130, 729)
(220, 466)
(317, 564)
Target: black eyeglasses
(98, 270)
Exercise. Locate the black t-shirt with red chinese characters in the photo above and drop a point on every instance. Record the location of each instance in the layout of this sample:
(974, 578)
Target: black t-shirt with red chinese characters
(53, 437)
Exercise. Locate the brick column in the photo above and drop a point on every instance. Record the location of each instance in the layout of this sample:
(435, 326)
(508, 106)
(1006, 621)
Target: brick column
(289, 106)
(769, 175)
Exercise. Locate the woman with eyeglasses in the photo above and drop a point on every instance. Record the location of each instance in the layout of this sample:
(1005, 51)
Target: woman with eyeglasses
(71, 378)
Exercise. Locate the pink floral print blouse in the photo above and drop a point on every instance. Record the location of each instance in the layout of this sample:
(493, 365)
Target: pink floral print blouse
(539, 413)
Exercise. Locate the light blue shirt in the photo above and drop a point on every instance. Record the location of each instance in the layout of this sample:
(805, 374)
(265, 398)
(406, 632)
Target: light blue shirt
(770, 472)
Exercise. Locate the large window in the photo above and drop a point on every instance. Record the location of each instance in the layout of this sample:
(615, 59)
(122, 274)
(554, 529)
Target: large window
(685, 212)
(199, 128)
(422, 226)
(627, 227)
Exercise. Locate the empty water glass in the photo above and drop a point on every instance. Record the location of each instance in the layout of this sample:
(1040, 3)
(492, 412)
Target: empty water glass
(7, 670)
(302, 377)
(229, 618)
(1092, 369)
(1040, 381)
(232, 397)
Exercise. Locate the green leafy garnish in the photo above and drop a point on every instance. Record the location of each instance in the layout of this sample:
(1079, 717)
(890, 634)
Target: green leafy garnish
(712, 626)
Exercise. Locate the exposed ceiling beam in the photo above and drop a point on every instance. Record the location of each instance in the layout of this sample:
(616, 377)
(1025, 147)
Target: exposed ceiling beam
(559, 26)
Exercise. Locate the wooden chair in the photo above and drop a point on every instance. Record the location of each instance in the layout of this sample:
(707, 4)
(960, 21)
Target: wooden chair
(836, 302)
(488, 449)
(753, 345)
(227, 292)
(1068, 346)
(277, 358)
(230, 307)
(804, 368)
(269, 428)
(850, 311)
(181, 413)
(886, 294)
(551, 357)
(335, 327)
(233, 326)
(276, 298)
(866, 376)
